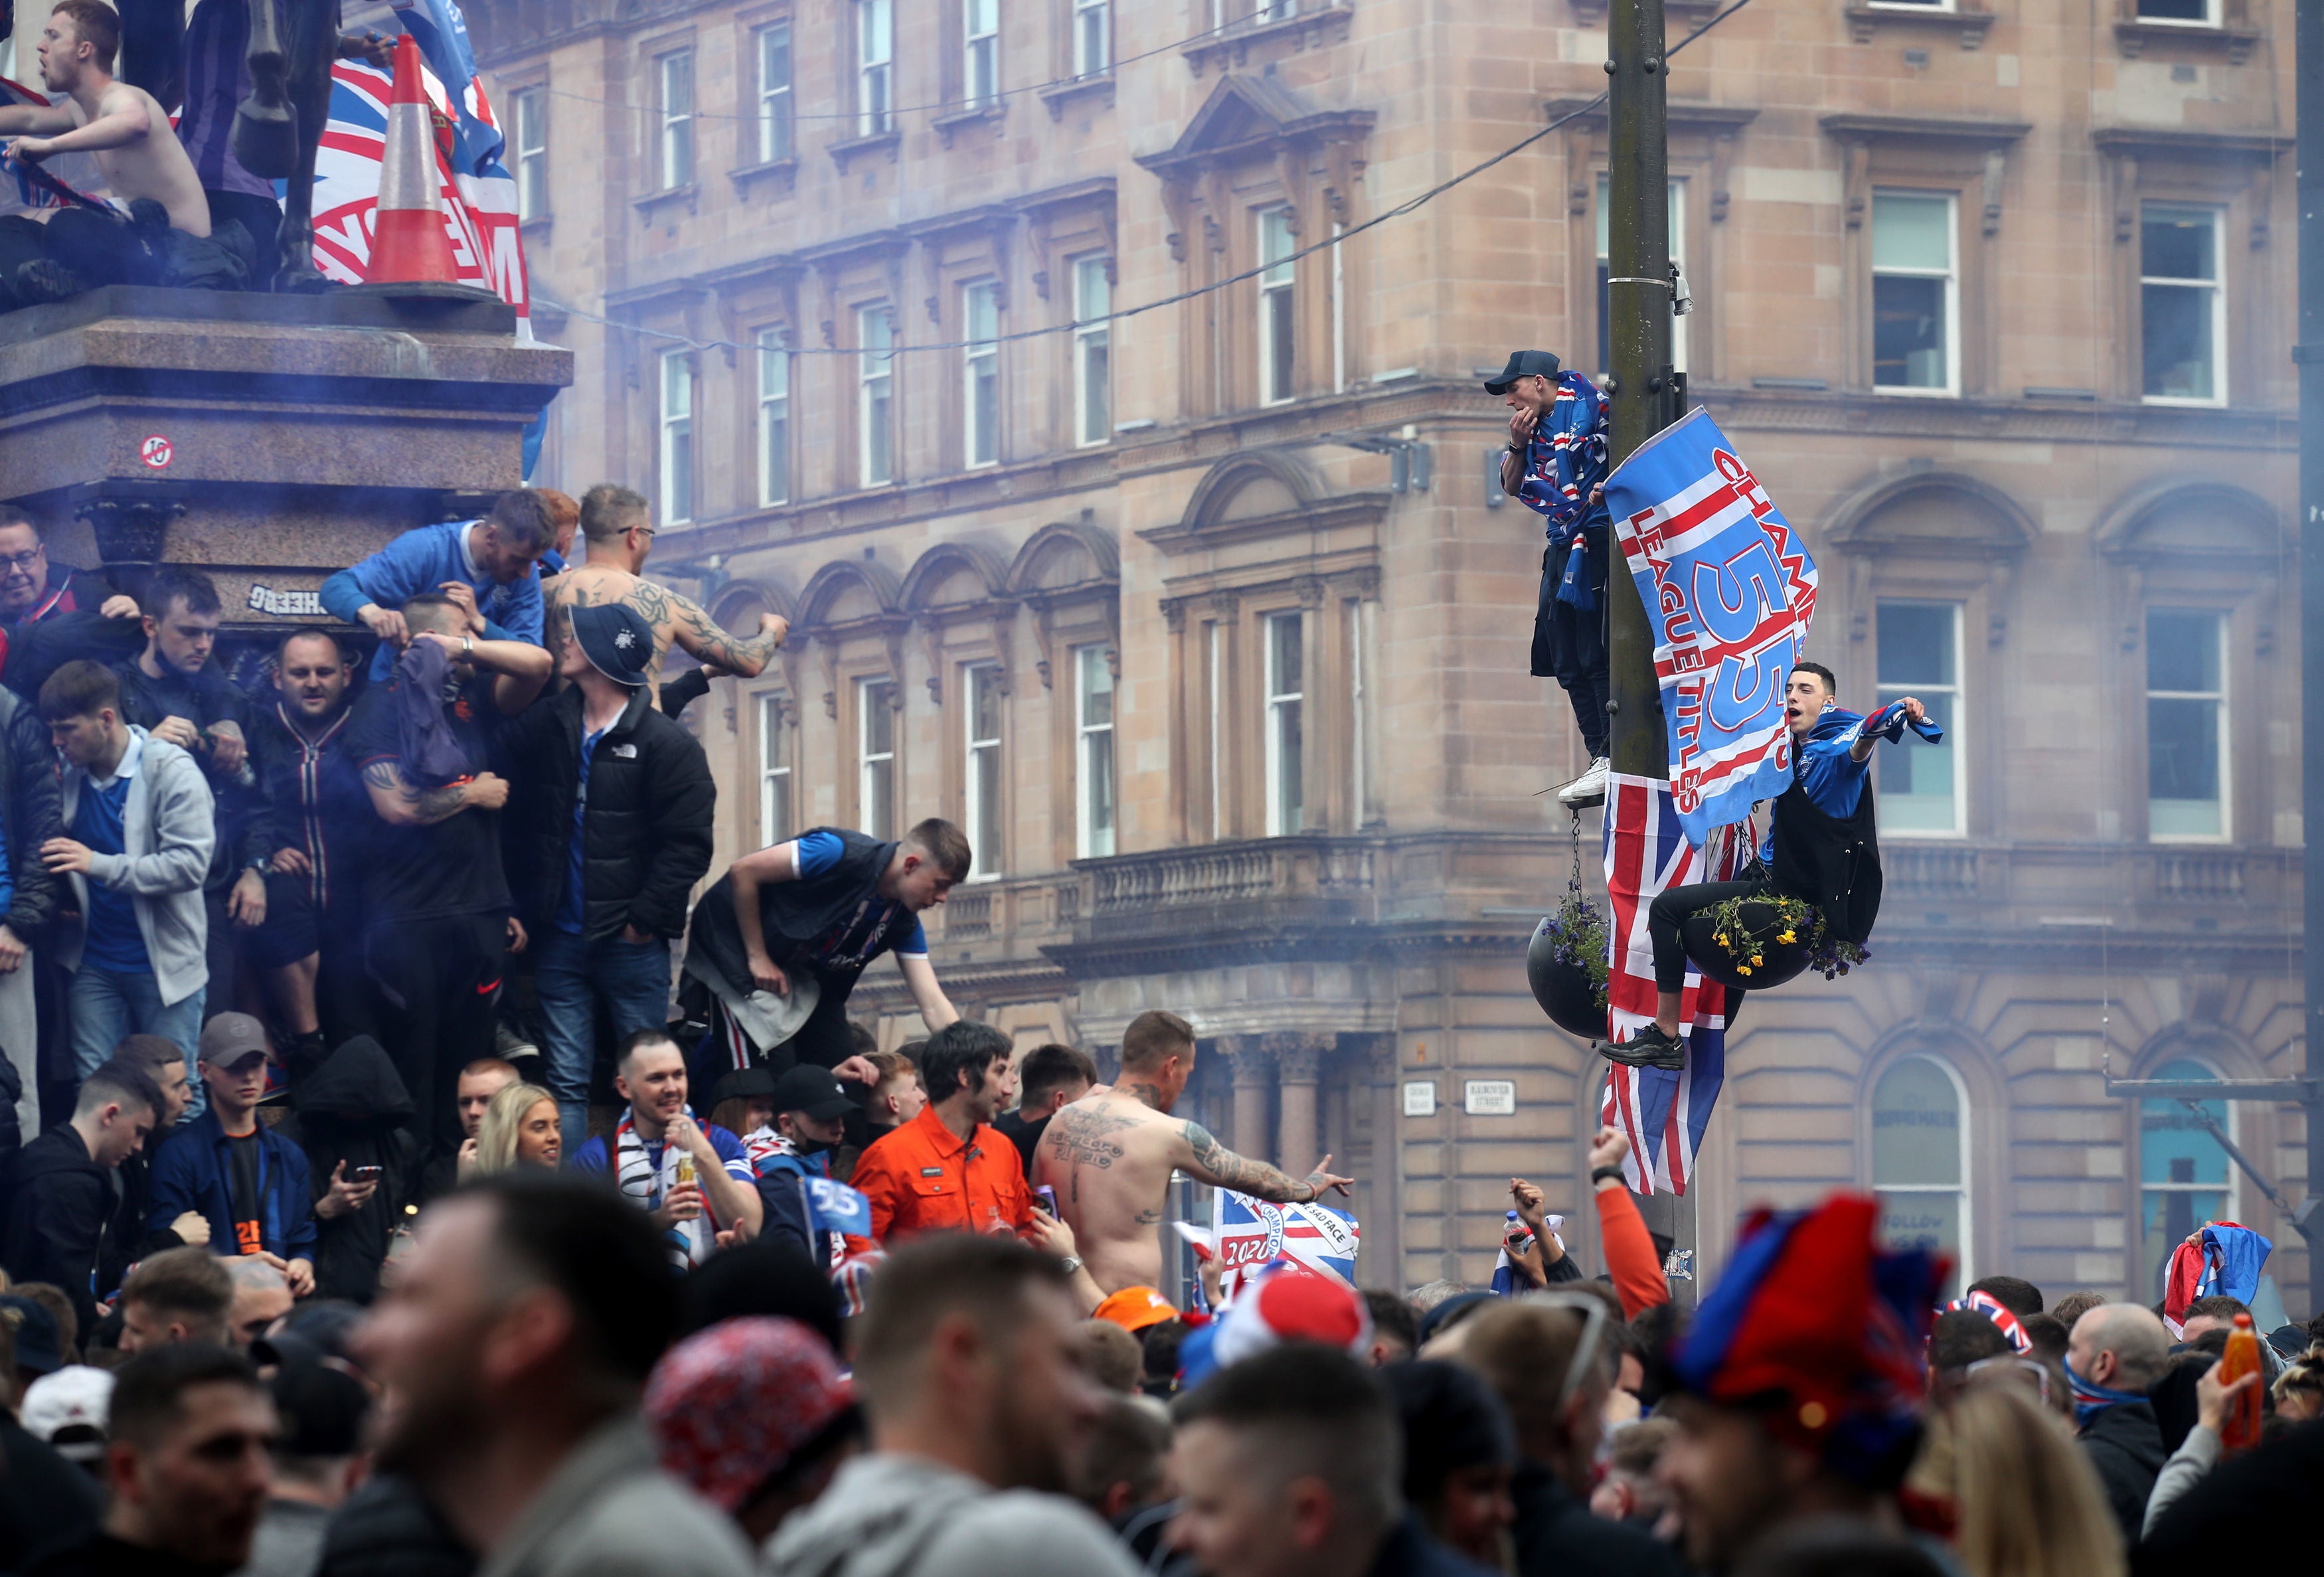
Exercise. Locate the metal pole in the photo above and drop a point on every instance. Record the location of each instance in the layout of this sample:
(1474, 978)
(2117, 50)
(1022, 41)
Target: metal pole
(2309, 355)
(1638, 322)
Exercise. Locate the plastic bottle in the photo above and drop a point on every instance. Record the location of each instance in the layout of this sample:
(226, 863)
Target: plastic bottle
(2239, 1431)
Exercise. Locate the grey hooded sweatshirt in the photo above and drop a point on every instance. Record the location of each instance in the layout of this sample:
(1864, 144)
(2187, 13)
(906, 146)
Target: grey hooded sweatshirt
(888, 1515)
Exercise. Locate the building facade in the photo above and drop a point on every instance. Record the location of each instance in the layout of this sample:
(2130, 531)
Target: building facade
(1209, 624)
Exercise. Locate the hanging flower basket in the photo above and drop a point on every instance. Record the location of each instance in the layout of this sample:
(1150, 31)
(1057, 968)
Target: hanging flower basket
(1565, 964)
(1751, 943)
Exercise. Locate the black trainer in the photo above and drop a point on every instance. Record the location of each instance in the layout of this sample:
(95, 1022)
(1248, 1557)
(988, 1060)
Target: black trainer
(1648, 1048)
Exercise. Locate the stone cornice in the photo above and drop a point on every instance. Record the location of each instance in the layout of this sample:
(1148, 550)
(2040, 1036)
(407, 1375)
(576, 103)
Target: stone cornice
(1857, 413)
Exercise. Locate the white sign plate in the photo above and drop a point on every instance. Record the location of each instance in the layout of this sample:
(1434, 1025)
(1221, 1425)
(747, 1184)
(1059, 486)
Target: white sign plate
(1490, 1098)
(1420, 1098)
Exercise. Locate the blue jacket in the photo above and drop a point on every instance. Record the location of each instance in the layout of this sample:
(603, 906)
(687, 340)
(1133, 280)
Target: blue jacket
(420, 561)
(192, 1174)
(1566, 457)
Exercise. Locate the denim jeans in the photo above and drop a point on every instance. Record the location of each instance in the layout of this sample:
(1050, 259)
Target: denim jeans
(570, 977)
(107, 1008)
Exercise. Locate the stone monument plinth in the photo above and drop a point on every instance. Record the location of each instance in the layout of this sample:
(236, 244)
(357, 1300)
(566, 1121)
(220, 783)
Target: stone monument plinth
(266, 439)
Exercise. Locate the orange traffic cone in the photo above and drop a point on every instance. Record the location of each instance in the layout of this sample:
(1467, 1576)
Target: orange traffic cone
(407, 240)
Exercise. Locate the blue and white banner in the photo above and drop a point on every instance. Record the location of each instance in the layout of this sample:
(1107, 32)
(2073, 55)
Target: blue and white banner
(1729, 588)
(836, 1208)
(1251, 1233)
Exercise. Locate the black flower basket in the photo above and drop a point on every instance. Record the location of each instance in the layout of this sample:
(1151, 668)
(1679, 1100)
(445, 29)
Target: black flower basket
(1740, 942)
(1563, 986)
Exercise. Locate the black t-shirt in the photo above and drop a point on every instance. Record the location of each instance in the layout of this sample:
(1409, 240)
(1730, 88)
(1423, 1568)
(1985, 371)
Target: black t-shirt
(242, 1184)
(453, 867)
(1026, 1136)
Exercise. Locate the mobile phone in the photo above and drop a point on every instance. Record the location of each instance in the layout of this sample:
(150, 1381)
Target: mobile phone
(366, 1174)
(1045, 1198)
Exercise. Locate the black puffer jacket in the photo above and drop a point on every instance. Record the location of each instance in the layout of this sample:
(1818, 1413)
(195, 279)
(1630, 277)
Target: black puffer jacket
(647, 836)
(28, 766)
(355, 1109)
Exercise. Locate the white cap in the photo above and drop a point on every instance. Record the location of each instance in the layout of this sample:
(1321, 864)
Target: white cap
(74, 1396)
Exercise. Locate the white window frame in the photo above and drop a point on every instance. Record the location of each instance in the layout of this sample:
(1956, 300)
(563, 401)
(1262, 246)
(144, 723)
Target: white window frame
(774, 417)
(2210, 18)
(875, 693)
(980, 52)
(875, 67)
(988, 863)
(2220, 718)
(1950, 274)
(529, 117)
(1092, 841)
(979, 362)
(775, 779)
(772, 42)
(1278, 283)
(674, 106)
(1964, 1272)
(875, 396)
(1093, 338)
(1944, 7)
(1958, 738)
(1282, 704)
(1092, 37)
(1218, 728)
(674, 410)
(1359, 700)
(2218, 287)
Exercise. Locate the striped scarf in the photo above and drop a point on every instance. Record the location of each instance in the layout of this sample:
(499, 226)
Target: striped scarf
(646, 1179)
(2091, 1398)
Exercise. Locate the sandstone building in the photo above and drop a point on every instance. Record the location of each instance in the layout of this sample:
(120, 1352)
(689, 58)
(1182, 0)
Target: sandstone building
(1211, 626)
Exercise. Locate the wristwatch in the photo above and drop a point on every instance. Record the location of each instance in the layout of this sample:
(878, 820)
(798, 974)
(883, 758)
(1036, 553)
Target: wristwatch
(1604, 1173)
(467, 646)
(1073, 1264)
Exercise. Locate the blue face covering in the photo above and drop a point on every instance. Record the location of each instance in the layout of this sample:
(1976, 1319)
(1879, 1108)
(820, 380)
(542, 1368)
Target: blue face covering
(2090, 1398)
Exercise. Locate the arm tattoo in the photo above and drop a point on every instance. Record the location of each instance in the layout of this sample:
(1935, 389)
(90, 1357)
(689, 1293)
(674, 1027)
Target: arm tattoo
(429, 806)
(1081, 1137)
(1214, 1163)
(709, 643)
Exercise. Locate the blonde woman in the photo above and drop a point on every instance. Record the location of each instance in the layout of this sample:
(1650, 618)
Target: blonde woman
(519, 1128)
(2029, 1504)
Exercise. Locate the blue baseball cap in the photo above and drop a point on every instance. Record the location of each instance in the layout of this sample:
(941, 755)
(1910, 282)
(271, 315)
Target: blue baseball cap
(616, 641)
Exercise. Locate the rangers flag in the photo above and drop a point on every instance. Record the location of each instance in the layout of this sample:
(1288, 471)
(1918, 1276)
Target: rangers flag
(1251, 1233)
(1729, 588)
(1663, 1112)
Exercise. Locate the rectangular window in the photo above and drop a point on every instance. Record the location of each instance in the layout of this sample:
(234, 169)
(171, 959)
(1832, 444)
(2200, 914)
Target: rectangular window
(2182, 310)
(676, 437)
(2186, 724)
(675, 72)
(774, 92)
(774, 771)
(2186, 13)
(980, 74)
(530, 114)
(875, 397)
(1915, 295)
(1217, 649)
(875, 755)
(1275, 246)
(1092, 355)
(1677, 200)
(980, 312)
(1274, 9)
(1092, 37)
(875, 67)
(774, 416)
(1093, 753)
(983, 775)
(1921, 788)
(1286, 793)
(1352, 618)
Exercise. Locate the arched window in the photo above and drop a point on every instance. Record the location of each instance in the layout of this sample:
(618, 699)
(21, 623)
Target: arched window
(2184, 1177)
(1920, 1161)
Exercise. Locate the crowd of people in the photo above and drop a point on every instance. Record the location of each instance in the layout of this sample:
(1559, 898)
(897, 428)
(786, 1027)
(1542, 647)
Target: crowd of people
(429, 1184)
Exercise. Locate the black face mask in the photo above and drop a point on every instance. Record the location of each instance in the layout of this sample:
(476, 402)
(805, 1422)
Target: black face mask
(804, 1145)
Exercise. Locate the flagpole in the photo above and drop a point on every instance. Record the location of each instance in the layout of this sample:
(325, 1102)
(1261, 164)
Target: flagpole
(1644, 393)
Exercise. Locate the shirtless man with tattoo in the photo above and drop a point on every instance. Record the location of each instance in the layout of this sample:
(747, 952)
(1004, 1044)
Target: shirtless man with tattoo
(1108, 1156)
(617, 526)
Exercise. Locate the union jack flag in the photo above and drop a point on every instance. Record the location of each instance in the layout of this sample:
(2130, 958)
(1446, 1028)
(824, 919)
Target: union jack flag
(1251, 1232)
(1663, 1112)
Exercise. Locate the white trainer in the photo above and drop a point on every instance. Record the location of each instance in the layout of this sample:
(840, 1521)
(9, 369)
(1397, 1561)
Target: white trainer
(1589, 789)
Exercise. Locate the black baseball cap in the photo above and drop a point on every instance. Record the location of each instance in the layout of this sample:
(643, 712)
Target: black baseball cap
(814, 1091)
(755, 1082)
(1522, 364)
(617, 642)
